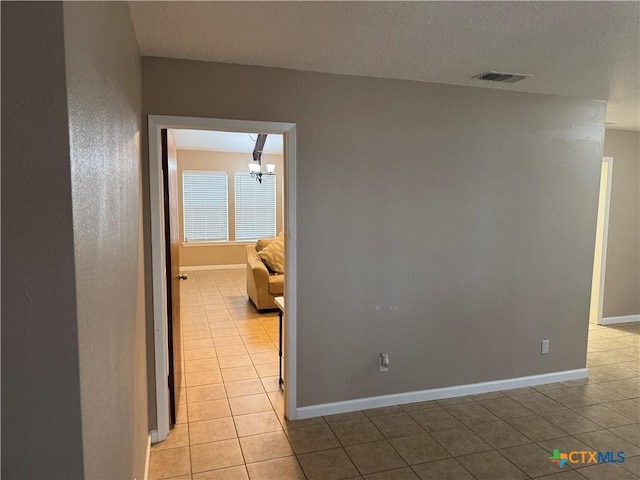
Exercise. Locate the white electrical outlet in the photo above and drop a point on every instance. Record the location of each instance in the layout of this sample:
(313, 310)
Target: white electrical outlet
(384, 362)
(545, 347)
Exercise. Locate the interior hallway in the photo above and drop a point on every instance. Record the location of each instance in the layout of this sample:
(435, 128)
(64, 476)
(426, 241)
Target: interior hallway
(231, 423)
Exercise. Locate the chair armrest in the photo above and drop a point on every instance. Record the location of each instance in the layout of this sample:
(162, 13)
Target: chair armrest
(259, 270)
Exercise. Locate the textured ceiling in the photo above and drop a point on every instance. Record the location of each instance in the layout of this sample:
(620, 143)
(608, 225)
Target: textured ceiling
(579, 49)
(224, 141)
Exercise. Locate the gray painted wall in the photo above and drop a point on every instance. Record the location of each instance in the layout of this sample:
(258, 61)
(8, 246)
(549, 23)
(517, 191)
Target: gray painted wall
(41, 425)
(622, 275)
(104, 96)
(472, 211)
(74, 400)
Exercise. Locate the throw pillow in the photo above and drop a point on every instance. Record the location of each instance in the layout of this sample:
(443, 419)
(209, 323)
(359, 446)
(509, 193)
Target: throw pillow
(273, 255)
(263, 242)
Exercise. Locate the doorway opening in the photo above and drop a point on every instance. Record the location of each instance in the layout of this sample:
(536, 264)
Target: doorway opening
(163, 234)
(600, 253)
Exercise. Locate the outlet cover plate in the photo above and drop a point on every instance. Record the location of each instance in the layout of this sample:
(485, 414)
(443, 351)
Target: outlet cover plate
(383, 368)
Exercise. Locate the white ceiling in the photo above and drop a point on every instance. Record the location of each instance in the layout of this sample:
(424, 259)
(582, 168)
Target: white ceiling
(579, 49)
(224, 141)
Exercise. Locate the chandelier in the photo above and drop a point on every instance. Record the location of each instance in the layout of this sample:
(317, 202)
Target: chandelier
(255, 168)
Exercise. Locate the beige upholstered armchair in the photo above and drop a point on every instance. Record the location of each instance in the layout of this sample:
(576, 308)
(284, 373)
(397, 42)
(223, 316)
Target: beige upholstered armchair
(262, 286)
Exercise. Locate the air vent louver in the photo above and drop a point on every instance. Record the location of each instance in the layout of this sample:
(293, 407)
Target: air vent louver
(501, 77)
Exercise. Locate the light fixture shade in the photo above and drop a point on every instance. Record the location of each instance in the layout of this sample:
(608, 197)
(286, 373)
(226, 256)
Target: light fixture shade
(254, 168)
(271, 168)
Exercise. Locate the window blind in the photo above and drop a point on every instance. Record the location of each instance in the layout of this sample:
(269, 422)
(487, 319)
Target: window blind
(255, 207)
(205, 206)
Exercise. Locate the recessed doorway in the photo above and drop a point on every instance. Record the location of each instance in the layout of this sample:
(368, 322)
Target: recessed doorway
(162, 271)
(600, 253)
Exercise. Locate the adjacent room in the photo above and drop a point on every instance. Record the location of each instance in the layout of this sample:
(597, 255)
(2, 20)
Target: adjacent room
(230, 199)
(223, 207)
(231, 258)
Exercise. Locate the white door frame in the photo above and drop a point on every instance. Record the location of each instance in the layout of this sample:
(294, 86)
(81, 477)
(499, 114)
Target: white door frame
(604, 231)
(156, 191)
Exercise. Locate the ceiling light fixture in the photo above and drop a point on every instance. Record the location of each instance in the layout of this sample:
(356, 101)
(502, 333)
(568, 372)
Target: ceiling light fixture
(255, 168)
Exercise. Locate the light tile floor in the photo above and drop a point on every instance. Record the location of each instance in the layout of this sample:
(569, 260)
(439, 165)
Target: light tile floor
(231, 423)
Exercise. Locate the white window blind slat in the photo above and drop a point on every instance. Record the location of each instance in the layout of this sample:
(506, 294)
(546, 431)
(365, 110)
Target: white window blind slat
(205, 206)
(255, 207)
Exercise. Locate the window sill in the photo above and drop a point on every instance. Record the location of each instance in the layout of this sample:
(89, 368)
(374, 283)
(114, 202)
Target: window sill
(215, 244)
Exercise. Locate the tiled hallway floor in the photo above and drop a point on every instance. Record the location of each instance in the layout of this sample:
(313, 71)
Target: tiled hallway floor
(231, 423)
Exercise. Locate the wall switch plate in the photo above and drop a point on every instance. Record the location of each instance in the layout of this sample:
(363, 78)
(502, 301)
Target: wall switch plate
(545, 347)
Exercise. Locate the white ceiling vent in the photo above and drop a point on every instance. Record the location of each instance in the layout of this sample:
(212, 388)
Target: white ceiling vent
(501, 77)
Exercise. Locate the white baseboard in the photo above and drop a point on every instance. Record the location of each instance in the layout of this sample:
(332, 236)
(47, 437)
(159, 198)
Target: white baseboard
(623, 319)
(212, 267)
(146, 460)
(437, 393)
